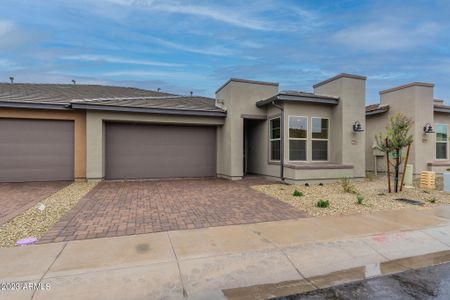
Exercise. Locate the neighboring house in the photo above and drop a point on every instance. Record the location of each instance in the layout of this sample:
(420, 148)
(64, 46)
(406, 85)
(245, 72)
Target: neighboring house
(430, 149)
(66, 132)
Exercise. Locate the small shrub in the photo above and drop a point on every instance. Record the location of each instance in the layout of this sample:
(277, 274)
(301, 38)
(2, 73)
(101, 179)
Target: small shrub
(347, 185)
(297, 193)
(323, 203)
(359, 198)
(432, 200)
(426, 192)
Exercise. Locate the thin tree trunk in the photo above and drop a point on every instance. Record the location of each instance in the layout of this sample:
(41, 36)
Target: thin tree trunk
(404, 167)
(388, 167)
(397, 168)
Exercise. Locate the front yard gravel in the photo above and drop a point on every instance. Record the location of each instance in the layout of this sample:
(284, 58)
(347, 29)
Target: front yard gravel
(34, 222)
(374, 191)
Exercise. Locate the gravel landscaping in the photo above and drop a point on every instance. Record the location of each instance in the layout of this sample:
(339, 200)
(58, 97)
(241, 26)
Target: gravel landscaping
(374, 193)
(36, 223)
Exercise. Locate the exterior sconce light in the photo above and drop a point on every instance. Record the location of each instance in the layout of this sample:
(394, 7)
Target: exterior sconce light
(357, 127)
(428, 128)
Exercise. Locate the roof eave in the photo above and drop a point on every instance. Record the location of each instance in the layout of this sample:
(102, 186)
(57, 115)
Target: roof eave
(162, 111)
(442, 110)
(376, 112)
(305, 99)
(13, 104)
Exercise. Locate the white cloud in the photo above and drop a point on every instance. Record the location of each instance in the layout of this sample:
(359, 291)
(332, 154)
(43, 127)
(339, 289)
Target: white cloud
(13, 37)
(385, 36)
(215, 13)
(6, 27)
(214, 50)
(156, 74)
(239, 17)
(119, 60)
(7, 64)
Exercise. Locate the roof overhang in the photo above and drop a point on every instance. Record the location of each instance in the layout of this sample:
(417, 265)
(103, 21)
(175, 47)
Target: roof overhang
(442, 109)
(298, 98)
(376, 112)
(163, 111)
(13, 104)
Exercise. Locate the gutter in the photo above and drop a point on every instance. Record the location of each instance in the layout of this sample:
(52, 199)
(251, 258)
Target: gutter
(281, 108)
(442, 109)
(12, 104)
(164, 111)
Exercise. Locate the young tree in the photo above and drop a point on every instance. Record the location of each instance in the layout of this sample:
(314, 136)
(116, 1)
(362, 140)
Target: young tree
(394, 140)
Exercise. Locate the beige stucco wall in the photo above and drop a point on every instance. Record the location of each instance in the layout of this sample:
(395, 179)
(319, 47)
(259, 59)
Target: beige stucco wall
(375, 125)
(350, 145)
(293, 175)
(415, 101)
(79, 118)
(95, 136)
(238, 98)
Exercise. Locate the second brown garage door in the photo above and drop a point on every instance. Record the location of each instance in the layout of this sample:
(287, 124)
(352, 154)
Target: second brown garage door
(139, 151)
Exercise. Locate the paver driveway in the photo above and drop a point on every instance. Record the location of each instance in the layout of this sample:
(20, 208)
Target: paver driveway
(117, 208)
(16, 198)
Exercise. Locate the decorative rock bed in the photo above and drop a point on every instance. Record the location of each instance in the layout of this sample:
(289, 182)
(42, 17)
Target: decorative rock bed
(35, 222)
(374, 191)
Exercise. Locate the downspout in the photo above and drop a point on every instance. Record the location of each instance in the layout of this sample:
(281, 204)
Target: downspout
(281, 139)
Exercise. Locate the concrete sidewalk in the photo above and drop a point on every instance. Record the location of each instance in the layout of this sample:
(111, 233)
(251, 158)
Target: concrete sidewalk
(213, 262)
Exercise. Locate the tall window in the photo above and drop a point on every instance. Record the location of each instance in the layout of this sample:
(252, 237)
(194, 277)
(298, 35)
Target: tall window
(319, 139)
(274, 139)
(441, 141)
(298, 134)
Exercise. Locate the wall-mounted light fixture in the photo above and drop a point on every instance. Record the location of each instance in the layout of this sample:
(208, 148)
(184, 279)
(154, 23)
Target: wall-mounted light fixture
(357, 127)
(428, 128)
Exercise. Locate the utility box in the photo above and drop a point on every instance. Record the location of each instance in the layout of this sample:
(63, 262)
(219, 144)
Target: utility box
(447, 182)
(428, 180)
(408, 181)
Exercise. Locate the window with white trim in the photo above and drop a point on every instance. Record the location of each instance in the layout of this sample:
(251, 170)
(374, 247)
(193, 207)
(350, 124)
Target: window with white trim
(274, 139)
(441, 141)
(319, 139)
(298, 135)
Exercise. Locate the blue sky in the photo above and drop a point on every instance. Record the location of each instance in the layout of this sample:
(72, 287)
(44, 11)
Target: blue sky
(183, 46)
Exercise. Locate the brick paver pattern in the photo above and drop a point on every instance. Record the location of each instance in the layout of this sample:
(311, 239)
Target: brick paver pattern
(118, 208)
(16, 198)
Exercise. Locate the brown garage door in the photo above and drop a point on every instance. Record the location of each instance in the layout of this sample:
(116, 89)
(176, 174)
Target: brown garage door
(36, 150)
(136, 151)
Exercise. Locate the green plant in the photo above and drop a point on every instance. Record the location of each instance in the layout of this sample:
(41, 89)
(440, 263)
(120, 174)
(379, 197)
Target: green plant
(359, 198)
(347, 185)
(392, 142)
(297, 193)
(425, 191)
(432, 200)
(323, 203)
